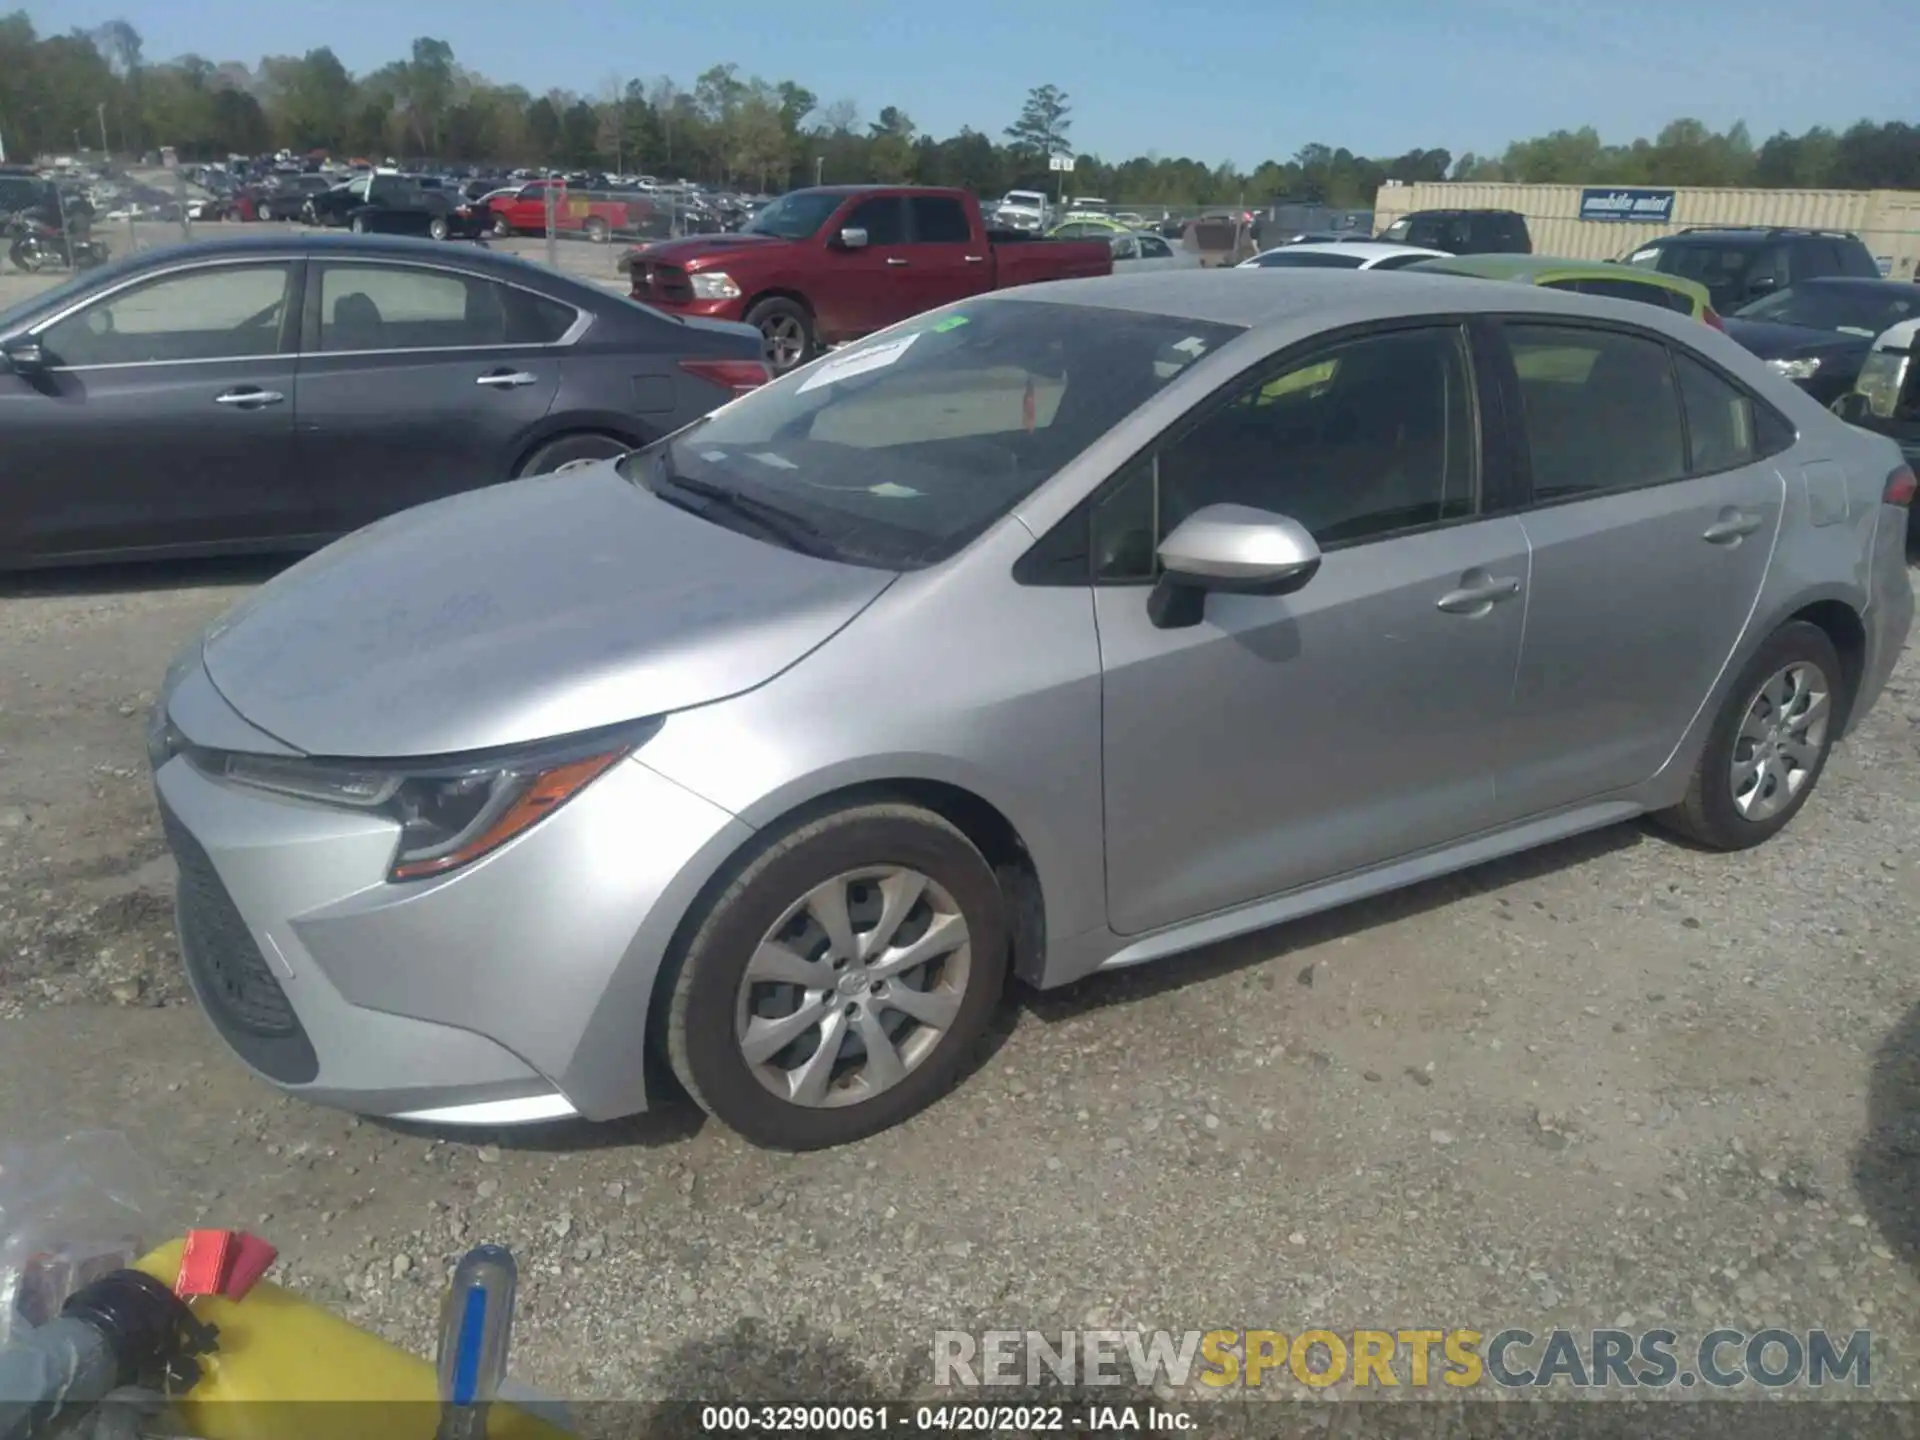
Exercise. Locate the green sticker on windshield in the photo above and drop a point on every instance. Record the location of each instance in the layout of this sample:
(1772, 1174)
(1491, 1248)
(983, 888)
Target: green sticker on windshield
(952, 322)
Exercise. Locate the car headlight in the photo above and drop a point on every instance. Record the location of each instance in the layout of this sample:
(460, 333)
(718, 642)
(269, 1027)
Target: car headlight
(450, 814)
(1882, 377)
(714, 285)
(1794, 369)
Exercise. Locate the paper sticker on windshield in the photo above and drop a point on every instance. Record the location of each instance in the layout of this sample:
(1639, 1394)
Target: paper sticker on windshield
(861, 362)
(713, 457)
(767, 457)
(1192, 345)
(952, 322)
(888, 490)
(1637, 256)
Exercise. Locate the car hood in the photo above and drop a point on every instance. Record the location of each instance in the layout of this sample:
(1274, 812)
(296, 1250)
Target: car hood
(712, 248)
(521, 612)
(1771, 341)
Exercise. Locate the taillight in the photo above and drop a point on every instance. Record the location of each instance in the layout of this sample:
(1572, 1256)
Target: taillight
(1712, 317)
(739, 376)
(1899, 489)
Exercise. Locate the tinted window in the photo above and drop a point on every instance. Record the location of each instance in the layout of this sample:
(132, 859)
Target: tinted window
(1154, 248)
(1864, 310)
(1719, 417)
(938, 220)
(1600, 410)
(1306, 260)
(883, 218)
(1638, 292)
(223, 312)
(1397, 262)
(374, 307)
(1356, 441)
(1856, 259)
(898, 450)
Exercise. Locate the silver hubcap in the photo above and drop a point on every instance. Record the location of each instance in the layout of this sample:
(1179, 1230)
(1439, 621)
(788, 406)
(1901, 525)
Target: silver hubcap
(785, 339)
(1780, 741)
(853, 987)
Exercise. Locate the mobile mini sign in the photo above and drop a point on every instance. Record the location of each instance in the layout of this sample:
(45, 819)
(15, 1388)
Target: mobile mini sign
(1642, 205)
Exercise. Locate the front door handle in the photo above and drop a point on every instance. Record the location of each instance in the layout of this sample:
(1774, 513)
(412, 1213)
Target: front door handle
(895, 260)
(974, 259)
(1480, 596)
(1731, 527)
(249, 397)
(508, 379)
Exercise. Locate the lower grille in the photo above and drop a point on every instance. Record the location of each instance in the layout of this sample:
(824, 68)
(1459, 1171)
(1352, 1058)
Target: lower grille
(240, 993)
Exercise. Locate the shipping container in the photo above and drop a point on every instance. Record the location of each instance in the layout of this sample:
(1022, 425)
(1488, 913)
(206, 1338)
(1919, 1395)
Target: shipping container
(1585, 222)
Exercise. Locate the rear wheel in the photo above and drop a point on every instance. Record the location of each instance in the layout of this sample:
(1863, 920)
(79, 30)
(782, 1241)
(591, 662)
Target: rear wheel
(437, 227)
(572, 450)
(841, 983)
(598, 231)
(786, 333)
(359, 225)
(502, 228)
(1768, 745)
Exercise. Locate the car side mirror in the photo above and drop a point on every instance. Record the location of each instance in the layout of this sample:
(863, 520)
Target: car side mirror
(1236, 549)
(1762, 285)
(24, 356)
(1852, 407)
(853, 237)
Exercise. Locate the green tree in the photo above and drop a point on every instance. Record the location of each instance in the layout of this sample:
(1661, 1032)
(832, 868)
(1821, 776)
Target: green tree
(1041, 130)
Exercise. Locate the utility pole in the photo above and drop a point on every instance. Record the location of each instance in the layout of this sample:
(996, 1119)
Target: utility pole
(819, 168)
(105, 149)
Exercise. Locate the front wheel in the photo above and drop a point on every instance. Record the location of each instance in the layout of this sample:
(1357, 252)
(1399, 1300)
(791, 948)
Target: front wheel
(598, 231)
(786, 333)
(843, 980)
(437, 227)
(359, 225)
(27, 256)
(571, 450)
(502, 228)
(1768, 745)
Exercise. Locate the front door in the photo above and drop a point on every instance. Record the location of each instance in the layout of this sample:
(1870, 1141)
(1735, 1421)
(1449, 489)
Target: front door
(1650, 542)
(164, 417)
(418, 381)
(862, 290)
(1288, 739)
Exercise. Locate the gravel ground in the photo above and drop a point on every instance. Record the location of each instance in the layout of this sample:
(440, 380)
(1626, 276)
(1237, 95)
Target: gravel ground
(1614, 1082)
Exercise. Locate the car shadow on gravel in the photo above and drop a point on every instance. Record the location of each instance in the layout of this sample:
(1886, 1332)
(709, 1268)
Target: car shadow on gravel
(143, 576)
(1886, 1166)
(1274, 944)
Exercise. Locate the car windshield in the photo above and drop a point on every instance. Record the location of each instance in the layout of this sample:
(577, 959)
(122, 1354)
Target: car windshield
(1842, 308)
(798, 216)
(1717, 267)
(898, 451)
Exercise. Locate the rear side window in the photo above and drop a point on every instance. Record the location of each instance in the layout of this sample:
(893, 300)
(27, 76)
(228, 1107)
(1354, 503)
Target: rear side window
(1856, 259)
(1600, 410)
(1814, 257)
(377, 307)
(940, 220)
(1720, 417)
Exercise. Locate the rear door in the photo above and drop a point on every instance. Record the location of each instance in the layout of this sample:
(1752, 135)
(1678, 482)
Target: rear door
(1649, 548)
(164, 418)
(419, 380)
(946, 261)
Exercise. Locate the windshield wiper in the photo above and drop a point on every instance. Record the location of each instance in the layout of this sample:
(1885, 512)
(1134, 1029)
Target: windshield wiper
(784, 526)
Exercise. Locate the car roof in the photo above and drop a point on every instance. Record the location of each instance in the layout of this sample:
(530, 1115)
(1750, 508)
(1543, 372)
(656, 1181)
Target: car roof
(1230, 295)
(1865, 284)
(351, 247)
(1534, 269)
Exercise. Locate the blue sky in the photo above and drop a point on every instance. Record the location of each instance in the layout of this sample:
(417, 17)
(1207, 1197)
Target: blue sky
(1238, 80)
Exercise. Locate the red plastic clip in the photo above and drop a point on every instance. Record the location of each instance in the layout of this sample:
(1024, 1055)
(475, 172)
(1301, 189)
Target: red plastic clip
(251, 1258)
(204, 1263)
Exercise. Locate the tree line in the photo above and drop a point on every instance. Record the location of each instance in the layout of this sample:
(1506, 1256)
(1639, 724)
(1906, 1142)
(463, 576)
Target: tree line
(96, 87)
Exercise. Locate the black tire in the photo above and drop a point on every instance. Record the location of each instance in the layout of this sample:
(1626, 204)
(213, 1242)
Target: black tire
(700, 1016)
(358, 225)
(1708, 815)
(265, 212)
(777, 320)
(502, 228)
(598, 231)
(27, 258)
(437, 228)
(569, 449)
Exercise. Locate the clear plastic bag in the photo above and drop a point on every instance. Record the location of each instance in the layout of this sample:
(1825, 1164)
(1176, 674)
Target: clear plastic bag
(71, 1210)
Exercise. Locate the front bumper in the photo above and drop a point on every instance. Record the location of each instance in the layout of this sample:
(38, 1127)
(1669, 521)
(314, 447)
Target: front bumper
(515, 989)
(703, 309)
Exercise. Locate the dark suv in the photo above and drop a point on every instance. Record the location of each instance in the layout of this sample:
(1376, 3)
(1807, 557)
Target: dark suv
(1740, 264)
(1463, 232)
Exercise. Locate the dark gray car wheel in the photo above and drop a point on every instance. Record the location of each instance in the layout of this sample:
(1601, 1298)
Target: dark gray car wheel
(786, 333)
(1768, 744)
(437, 227)
(359, 225)
(572, 450)
(842, 982)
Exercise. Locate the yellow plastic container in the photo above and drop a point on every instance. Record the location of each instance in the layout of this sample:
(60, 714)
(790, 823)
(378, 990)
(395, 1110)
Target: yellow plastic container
(287, 1369)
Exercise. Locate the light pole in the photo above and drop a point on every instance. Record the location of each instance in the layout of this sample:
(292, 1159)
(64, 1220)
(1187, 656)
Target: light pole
(819, 168)
(104, 147)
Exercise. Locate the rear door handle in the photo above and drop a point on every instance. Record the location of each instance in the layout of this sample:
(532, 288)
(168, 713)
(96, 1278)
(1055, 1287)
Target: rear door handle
(508, 379)
(1480, 596)
(974, 259)
(249, 397)
(1733, 525)
(895, 260)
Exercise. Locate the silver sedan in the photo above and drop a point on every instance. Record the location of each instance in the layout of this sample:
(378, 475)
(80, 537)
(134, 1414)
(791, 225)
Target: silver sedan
(1048, 633)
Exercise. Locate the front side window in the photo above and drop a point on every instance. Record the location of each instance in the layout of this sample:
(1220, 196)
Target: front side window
(224, 312)
(381, 307)
(898, 451)
(1600, 410)
(1358, 441)
(883, 218)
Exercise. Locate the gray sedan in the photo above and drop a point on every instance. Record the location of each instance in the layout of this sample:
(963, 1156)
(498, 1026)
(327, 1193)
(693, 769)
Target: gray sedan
(273, 393)
(1053, 632)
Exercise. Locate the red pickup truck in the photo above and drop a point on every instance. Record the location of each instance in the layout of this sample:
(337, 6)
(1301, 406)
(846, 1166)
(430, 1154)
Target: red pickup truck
(598, 217)
(823, 266)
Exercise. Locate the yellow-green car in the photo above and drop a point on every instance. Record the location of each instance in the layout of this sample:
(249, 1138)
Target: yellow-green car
(1586, 277)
